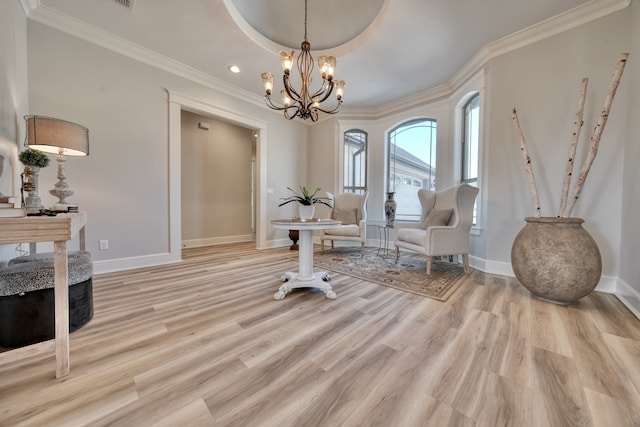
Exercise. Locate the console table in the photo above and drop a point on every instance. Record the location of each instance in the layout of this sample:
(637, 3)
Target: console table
(57, 229)
(305, 277)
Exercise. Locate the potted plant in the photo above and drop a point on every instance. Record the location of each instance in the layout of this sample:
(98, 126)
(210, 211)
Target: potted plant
(554, 257)
(32, 160)
(306, 201)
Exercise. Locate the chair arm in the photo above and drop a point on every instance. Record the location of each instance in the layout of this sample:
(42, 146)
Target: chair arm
(398, 225)
(446, 240)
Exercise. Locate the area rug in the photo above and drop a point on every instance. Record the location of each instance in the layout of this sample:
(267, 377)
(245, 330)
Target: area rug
(408, 275)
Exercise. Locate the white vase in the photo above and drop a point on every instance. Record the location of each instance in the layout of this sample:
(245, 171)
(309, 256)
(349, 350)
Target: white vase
(306, 211)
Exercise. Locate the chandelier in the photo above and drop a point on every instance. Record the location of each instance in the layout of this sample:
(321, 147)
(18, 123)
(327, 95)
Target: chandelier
(303, 103)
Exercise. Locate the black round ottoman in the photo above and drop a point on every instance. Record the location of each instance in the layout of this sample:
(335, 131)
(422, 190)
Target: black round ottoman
(27, 303)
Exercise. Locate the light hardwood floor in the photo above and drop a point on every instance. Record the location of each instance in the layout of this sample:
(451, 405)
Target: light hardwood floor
(203, 343)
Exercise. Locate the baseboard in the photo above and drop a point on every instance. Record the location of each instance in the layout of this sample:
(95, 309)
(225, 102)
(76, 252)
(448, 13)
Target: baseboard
(607, 284)
(491, 267)
(113, 265)
(279, 243)
(628, 296)
(212, 241)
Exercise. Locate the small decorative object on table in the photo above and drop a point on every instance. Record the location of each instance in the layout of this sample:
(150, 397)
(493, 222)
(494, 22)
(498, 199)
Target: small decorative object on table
(306, 201)
(390, 209)
(554, 257)
(32, 160)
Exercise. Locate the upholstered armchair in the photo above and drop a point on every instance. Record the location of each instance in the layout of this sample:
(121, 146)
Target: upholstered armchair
(444, 226)
(351, 209)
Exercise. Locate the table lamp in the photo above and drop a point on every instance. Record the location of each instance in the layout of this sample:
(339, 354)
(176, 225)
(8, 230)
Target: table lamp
(63, 138)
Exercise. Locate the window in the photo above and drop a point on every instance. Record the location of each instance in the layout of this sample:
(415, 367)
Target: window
(470, 145)
(411, 165)
(355, 162)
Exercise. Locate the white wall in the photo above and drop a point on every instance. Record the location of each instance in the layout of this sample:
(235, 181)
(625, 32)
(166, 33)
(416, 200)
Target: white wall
(630, 242)
(542, 81)
(13, 100)
(216, 181)
(123, 184)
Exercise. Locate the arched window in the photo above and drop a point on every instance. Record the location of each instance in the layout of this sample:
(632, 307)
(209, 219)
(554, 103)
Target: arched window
(470, 141)
(411, 164)
(471, 144)
(355, 161)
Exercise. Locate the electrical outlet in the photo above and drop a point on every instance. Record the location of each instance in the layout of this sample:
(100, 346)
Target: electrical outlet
(104, 245)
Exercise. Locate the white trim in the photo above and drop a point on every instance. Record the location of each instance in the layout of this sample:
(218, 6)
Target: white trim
(177, 102)
(29, 6)
(212, 241)
(75, 27)
(607, 284)
(278, 243)
(628, 296)
(573, 18)
(113, 265)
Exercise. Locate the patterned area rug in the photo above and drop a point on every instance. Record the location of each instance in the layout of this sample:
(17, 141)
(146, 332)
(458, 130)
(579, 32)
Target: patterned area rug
(408, 275)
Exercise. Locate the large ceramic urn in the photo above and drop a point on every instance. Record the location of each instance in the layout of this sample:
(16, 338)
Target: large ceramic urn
(556, 259)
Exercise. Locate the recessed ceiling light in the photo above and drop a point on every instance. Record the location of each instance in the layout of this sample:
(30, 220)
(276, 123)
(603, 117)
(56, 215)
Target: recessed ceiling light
(234, 69)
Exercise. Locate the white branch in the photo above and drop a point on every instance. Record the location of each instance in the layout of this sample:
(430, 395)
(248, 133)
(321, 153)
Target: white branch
(597, 134)
(572, 148)
(527, 164)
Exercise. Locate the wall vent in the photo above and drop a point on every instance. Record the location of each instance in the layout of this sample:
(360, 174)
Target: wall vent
(126, 3)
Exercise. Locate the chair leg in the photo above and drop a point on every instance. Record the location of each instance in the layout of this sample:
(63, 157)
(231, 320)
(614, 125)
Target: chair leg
(362, 244)
(397, 253)
(332, 245)
(429, 263)
(321, 244)
(465, 263)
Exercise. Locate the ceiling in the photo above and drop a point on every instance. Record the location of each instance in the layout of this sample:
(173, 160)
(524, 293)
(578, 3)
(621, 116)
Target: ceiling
(386, 49)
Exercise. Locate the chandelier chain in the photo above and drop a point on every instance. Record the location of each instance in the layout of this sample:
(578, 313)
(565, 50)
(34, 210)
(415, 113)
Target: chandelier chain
(305, 20)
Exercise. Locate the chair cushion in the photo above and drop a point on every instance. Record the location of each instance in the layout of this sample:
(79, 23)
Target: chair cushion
(346, 216)
(437, 217)
(345, 230)
(411, 235)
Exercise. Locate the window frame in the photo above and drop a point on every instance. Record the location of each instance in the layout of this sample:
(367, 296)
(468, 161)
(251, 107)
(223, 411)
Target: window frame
(358, 189)
(399, 177)
(470, 104)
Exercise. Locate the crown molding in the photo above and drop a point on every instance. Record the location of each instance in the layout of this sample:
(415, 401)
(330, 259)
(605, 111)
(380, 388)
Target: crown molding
(80, 29)
(568, 20)
(29, 5)
(565, 21)
(573, 18)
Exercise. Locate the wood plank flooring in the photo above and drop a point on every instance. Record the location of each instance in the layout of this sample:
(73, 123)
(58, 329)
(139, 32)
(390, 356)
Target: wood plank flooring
(202, 343)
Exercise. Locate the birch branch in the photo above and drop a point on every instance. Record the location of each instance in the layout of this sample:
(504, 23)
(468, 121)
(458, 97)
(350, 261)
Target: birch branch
(527, 164)
(597, 134)
(572, 148)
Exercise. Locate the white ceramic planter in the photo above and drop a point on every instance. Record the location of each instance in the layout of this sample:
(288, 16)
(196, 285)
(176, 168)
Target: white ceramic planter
(306, 211)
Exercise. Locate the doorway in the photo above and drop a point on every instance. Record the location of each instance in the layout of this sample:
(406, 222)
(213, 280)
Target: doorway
(178, 103)
(217, 181)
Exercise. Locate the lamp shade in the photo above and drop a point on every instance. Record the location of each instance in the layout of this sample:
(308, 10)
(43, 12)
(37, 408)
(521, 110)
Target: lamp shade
(56, 136)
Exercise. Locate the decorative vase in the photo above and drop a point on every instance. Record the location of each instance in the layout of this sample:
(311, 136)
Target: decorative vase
(32, 202)
(556, 259)
(390, 209)
(306, 211)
